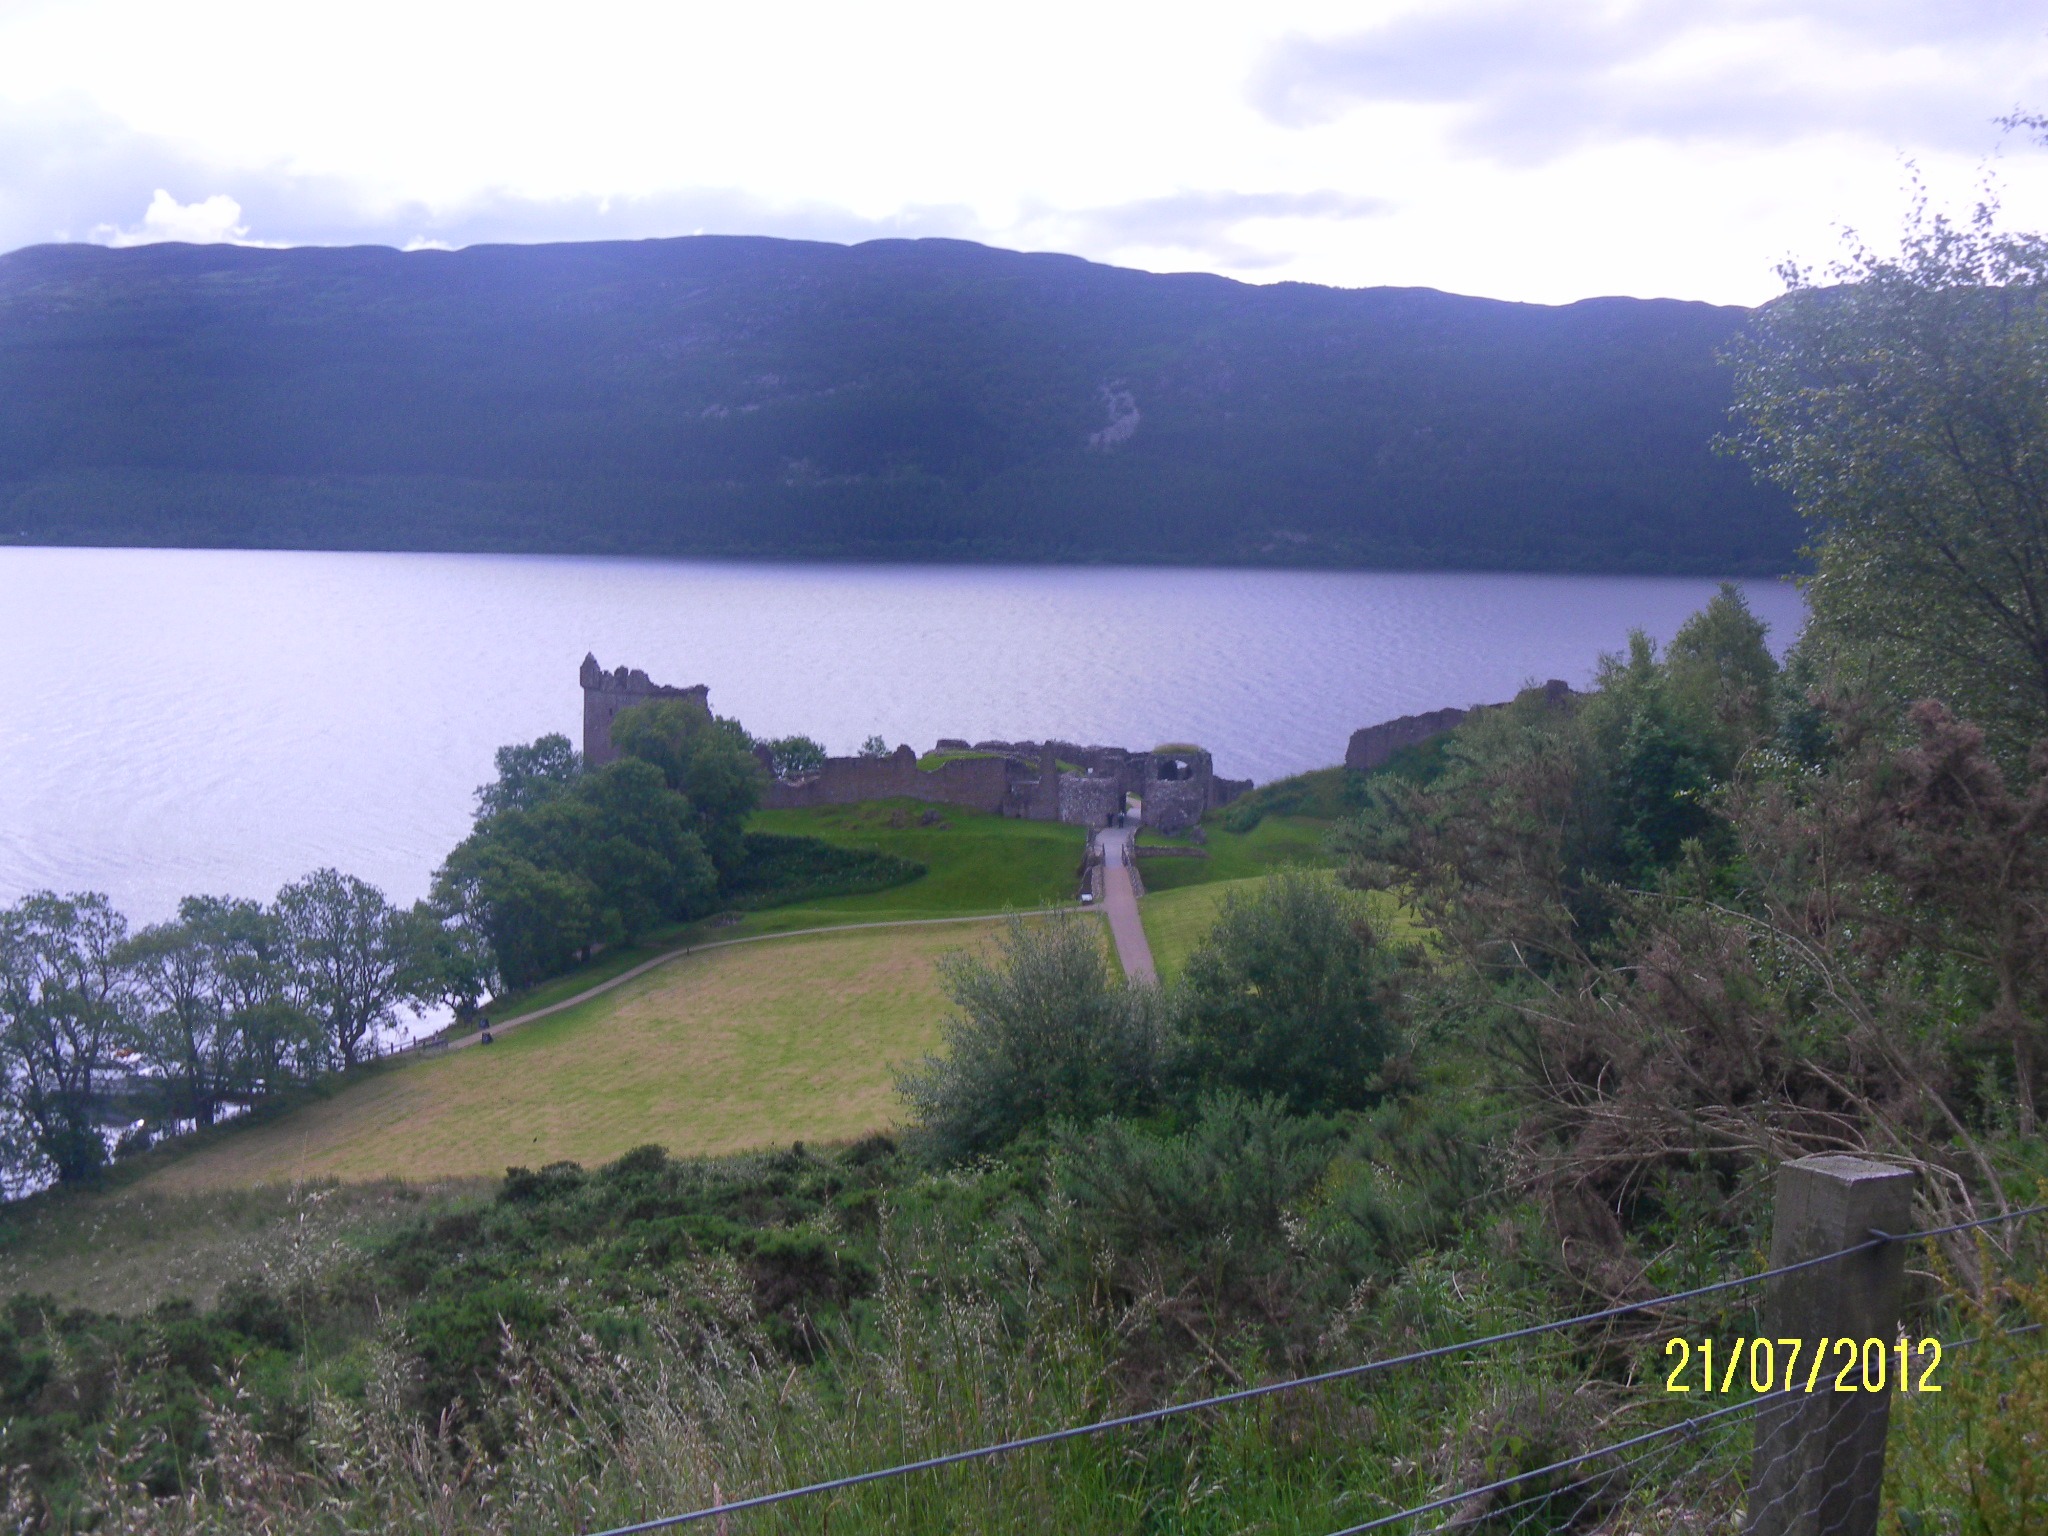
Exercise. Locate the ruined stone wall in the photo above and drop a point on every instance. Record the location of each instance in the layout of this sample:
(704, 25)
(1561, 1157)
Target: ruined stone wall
(606, 693)
(1021, 778)
(1374, 744)
(1086, 800)
(982, 783)
(1174, 805)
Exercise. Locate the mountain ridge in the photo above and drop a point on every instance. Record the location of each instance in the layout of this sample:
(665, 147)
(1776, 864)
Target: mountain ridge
(899, 399)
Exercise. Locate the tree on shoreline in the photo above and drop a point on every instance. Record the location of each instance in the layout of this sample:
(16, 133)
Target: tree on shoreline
(353, 959)
(65, 1008)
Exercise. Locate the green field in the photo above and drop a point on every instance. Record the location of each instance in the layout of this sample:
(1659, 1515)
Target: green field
(977, 863)
(1177, 920)
(1275, 841)
(757, 1044)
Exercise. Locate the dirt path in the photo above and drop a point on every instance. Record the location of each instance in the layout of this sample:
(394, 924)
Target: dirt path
(753, 938)
(1120, 900)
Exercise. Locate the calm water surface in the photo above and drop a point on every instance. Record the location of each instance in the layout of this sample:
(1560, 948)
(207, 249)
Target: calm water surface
(175, 721)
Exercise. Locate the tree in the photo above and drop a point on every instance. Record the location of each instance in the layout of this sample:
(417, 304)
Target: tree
(259, 990)
(1044, 1032)
(874, 746)
(455, 961)
(352, 955)
(1658, 758)
(617, 855)
(529, 775)
(537, 920)
(796, 754)
(65, 1008)
(1289, 996)
(1722, 674)
(1904, 405)
(186, 1031)
(709, 762)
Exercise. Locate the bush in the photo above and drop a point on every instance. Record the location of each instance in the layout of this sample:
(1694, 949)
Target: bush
(1290, 995)
(777, 870)
(1254, 1215)
(1044, 1032)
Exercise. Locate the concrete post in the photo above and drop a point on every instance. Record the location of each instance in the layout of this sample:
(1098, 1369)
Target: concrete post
(1819, 1458)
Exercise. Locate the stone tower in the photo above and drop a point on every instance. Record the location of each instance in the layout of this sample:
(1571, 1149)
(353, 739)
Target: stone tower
(606, 693)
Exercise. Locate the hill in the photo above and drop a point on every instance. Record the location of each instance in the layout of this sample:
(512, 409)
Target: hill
(924, 399)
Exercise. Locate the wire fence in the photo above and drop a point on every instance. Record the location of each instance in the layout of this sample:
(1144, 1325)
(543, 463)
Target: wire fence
(1569, 1493)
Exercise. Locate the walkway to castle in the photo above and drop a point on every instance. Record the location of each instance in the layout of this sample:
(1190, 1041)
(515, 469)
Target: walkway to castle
(1120, 901)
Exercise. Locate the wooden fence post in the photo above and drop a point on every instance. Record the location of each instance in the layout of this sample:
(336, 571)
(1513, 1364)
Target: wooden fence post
(1819, 1459)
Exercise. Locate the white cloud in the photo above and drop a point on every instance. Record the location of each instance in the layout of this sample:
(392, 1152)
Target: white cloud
(1534, 149)
(210, 221)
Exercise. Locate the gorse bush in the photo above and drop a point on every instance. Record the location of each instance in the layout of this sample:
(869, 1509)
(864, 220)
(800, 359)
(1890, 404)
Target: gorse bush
(1291, 995)
(1045, 1031)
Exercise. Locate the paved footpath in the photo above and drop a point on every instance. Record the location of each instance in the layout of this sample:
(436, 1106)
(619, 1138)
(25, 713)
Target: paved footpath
(1120, 900)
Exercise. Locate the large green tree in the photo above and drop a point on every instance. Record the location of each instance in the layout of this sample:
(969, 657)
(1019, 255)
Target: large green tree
(708, 761)
(1290, 996)
(66, 1007)
(354, 956)
(602, 860)
(1903, 401)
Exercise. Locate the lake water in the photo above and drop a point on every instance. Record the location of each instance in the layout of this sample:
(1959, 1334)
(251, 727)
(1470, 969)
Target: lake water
(174, 721)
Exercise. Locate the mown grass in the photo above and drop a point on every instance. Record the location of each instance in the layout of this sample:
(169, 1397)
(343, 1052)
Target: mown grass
(732, 1048)
(976, 863)
(1275, 841)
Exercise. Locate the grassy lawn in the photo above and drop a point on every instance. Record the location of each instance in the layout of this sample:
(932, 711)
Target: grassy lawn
(730, 1049)
(1275, 841)
(978, 862)
(127, 1248)
(1176, 921)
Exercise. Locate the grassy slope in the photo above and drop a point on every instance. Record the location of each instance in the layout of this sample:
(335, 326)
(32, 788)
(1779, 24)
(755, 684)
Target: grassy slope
(734, 1048)
(126, 1249)
(1275, 841)
(977, 863)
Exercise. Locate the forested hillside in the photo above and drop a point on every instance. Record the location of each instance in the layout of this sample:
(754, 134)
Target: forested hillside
(900, 399)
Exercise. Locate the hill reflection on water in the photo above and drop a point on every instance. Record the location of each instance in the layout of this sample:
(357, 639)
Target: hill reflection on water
(174, 721)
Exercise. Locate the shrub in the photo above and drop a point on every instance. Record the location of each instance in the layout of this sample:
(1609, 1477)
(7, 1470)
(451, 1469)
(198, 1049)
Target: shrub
(1044, 1032)
(778, 870)
(1290, 995)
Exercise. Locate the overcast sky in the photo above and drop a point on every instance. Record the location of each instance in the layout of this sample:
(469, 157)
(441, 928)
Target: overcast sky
(1532, 149)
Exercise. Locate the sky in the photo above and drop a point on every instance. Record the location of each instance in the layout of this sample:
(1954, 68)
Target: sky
(1543, 150)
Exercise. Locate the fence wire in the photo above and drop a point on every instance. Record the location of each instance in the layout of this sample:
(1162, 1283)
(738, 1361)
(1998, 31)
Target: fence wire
(1601, 1481)
(1784, 1405)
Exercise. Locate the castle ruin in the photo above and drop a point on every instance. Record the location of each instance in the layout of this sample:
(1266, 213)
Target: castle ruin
(1037, 781)
(1372, 745)
(606, 693)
